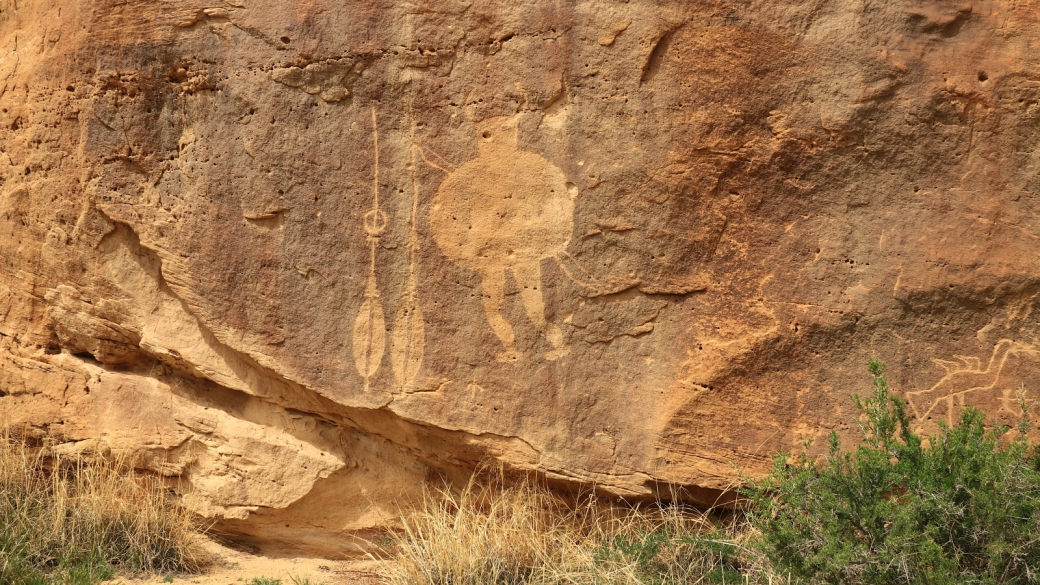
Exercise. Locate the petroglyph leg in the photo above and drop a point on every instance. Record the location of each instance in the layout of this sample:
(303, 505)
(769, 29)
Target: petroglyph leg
(964, 376)
(529, 277)
(492, 291)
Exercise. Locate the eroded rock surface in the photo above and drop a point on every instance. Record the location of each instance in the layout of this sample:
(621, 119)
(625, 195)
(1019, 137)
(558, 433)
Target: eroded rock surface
(303, 257)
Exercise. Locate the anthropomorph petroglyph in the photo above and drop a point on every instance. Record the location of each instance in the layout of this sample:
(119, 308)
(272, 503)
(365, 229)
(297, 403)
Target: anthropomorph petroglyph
(506, 211)
(962, 378)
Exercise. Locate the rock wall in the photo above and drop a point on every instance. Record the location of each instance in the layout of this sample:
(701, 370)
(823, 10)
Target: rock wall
(303, 257)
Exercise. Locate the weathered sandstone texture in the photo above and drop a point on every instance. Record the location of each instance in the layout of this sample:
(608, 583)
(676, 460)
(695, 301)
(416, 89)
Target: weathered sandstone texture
(304, 256)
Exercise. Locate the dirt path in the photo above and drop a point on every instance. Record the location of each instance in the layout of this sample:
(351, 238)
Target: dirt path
(235, 567)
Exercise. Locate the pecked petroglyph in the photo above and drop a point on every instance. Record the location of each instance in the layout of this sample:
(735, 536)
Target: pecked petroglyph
(408, 340)
(730, 164)
(505, 211)
(369, 338)
(963, 377)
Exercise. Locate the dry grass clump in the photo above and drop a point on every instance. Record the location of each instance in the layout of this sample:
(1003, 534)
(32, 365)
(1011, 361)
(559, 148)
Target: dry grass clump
(69, 519)
(491, 533)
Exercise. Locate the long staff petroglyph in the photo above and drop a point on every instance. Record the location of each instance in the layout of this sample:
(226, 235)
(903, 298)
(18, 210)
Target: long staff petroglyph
(369, 339)
(408, 341)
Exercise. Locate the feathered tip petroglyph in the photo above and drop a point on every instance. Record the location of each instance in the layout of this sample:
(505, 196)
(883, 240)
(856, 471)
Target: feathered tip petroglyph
(408, 341)
(369, 340)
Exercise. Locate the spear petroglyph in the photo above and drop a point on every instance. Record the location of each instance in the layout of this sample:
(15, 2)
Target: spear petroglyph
(408, 341)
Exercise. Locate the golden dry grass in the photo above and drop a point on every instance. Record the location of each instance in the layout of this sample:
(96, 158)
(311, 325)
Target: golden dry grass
(73, 519)
(491, 533)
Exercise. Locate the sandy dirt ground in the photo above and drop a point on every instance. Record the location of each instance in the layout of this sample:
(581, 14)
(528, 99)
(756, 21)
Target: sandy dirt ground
(236, 567)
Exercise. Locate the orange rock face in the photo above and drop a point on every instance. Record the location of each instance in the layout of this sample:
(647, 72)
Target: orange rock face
(303, 257)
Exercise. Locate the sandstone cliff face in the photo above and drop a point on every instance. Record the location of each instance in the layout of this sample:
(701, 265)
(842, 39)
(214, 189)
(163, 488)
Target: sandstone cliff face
(304, 256)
